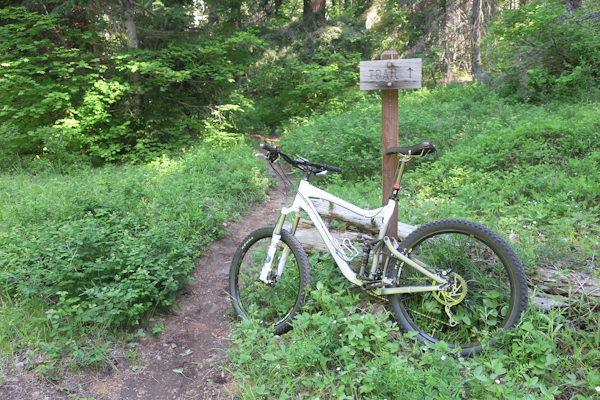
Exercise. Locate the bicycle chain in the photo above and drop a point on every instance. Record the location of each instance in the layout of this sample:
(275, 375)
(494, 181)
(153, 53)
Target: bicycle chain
(371, 293)
(435, 319)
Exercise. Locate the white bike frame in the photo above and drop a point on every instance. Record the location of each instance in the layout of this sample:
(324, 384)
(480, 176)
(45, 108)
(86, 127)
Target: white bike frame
(303, 202)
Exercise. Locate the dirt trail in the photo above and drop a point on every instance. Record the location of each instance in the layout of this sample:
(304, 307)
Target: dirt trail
(193, 341)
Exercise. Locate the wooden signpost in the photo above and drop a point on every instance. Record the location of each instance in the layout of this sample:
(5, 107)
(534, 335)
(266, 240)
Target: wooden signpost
(388, 75)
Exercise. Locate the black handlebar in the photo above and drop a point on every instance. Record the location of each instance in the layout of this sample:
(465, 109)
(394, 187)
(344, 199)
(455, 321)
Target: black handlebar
(330, 168)
(269, 148)
(275, 153)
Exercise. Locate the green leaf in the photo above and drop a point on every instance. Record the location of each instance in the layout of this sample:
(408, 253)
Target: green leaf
(269, 357)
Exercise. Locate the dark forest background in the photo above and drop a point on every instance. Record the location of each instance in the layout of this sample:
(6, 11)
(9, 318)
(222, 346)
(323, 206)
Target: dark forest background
(121, 81)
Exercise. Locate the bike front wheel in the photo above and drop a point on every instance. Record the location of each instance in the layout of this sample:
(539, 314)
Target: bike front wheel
(488, 285)
(273, 305)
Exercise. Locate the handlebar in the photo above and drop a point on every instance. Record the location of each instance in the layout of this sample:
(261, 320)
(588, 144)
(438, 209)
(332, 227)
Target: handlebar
(274, 153)
(269, 148)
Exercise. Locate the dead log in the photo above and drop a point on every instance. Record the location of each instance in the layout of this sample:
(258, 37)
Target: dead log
(332, 211)
(547, 302)
(310, 239)
(572, 284)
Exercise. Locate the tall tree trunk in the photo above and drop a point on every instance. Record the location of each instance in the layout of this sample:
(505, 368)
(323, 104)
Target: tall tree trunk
(450, 35)
(129, 13)
(278, 6)
(132, 43)
(314, 10)
(476, 41)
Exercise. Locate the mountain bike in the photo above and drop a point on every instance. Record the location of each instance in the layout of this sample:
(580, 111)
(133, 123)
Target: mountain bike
(450, 280)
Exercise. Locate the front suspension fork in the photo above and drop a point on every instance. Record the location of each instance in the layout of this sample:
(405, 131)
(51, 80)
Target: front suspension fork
(265, 275)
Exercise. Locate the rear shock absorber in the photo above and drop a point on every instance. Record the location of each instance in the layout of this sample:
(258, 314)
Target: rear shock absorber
(366, 248)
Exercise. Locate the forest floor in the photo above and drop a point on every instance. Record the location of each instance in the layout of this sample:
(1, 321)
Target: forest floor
(184, 361)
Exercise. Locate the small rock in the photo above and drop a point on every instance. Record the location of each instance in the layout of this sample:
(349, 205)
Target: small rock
(173, 345)
(229, 242)
(223, 272)
(20, 364)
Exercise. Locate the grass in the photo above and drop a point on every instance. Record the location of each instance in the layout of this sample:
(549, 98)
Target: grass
(21, 326)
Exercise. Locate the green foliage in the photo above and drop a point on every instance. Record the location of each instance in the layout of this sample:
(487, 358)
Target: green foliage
(351, 141)
(304, 70)
(59, 99)
(105, 248)
(546, 52)
(301, 88)
(344, 347)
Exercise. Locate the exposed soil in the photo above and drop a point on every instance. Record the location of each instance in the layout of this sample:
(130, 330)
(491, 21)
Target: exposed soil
(184, 361)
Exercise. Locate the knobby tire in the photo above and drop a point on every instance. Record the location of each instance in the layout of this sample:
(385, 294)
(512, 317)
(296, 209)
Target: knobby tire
(496, 287)
(273, 306)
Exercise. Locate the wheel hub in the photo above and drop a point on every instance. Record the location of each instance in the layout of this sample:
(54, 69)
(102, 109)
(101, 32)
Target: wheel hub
(455, 293)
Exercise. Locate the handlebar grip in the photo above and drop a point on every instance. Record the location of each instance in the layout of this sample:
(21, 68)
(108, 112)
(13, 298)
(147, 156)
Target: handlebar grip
(269, 148)
(333, 169)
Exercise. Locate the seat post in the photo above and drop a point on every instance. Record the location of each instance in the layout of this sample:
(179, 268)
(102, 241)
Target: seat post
(400, 170)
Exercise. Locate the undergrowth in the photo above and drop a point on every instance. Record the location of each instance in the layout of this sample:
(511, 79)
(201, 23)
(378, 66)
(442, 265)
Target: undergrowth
(344, 346)
(102, 249)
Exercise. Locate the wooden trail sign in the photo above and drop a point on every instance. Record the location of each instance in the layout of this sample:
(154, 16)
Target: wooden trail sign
(388, 75)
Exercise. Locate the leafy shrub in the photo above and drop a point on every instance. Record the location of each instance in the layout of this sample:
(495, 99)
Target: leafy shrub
(292, 88)
(351, 141)
(60, 98)
(546, 51)
(307, 68)
(105, 248)
(517, 167)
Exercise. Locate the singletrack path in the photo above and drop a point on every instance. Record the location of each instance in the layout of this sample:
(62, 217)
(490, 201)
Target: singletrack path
(182, 362)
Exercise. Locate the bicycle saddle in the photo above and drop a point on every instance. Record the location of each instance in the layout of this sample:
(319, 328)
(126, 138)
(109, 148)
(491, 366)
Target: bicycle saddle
(418, 150)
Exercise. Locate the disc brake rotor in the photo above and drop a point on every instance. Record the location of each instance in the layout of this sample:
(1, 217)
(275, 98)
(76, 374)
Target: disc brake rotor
(456, 293)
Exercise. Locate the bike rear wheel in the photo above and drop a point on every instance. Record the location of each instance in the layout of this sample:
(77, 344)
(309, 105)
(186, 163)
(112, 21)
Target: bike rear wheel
(490, 288)
(274, 306)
